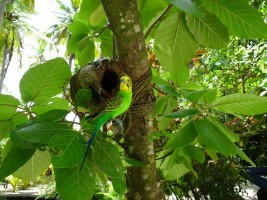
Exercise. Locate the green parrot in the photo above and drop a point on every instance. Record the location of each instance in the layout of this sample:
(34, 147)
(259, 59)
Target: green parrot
(115, 107)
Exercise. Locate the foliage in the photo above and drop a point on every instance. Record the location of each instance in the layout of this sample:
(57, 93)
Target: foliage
(188, 126)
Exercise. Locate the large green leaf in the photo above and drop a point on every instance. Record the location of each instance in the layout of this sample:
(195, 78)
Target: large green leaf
(174, 44)
(83, 97)
(243, 104)
(53, 115)
(86, 51)
(151, 10)
(107, 158)
(73, 41)
(201, 96)
(208, 31)
(73, 183)
(78, 27)
(50, 104)
(106, 45)
(184, 136)
(35, 166)
(193, 152)
(13, 158)
(70, 149)
(92, 13)
(45, 80)
(8, 106)
(241, 19)
(223, 128)
(209, 136)
(172, 170)
(188, 6)
(180, 76)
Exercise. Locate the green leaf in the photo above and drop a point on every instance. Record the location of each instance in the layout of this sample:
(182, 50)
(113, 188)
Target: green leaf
(71, 149)
(208, 31)
(73, 41)
(188, 6)
(151, 10)
(164, 105)
(241, 19)
(86, 51)
(5, 128)
(172, 171)
(13, 158)
(182, 113)
(184, 136)
(8, 106)
(83, 97)
(52, 115)
(205, 96)
(73, 183)
(224, 129)
(210, 137)
(50, 104)
(169, 90)
(107, 158)
(180, 76)
(193, 152)
(159, 81)
(55, 135)
(45, 80)
(106, 45)
(174, 44)
(243, 104)
(191, 86)
(92, 13)
(35, 166)
(78, 28)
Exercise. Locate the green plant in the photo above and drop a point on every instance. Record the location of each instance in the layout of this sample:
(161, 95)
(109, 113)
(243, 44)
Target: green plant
(187, 126)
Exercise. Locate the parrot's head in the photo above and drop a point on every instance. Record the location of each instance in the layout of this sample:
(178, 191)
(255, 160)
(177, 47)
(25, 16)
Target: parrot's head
(125, 84)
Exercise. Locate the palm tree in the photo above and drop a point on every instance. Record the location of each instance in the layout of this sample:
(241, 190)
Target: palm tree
(12, 29)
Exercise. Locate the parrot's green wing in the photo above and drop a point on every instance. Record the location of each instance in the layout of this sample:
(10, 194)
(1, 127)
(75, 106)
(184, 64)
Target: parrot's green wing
(115, 103)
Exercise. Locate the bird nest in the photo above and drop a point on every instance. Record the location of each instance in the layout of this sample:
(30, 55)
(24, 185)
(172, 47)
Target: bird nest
(101, 77)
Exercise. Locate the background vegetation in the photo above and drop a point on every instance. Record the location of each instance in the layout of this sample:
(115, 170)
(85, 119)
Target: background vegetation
(208, 65)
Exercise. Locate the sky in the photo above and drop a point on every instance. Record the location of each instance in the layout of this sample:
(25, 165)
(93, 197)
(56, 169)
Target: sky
(45, 17)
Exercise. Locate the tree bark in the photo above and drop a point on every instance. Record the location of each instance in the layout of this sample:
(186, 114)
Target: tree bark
(2, 10)
(3, 67)
(142, 182)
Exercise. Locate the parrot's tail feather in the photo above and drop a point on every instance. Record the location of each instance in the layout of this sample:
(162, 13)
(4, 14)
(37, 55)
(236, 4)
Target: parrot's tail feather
(89, 143)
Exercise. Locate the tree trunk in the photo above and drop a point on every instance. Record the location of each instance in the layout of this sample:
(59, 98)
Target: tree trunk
(2, 10)
(3, 66)
(142, 182)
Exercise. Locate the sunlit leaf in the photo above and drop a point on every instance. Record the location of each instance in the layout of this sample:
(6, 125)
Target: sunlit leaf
(73, 183)
(174, 44)
(213, 138)
(208, 31)
(35, 166)
(184, 136)
(107, 158)
(45, 80)
(8, 106)
(243, 104)
(13, 158)
(241, 19)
